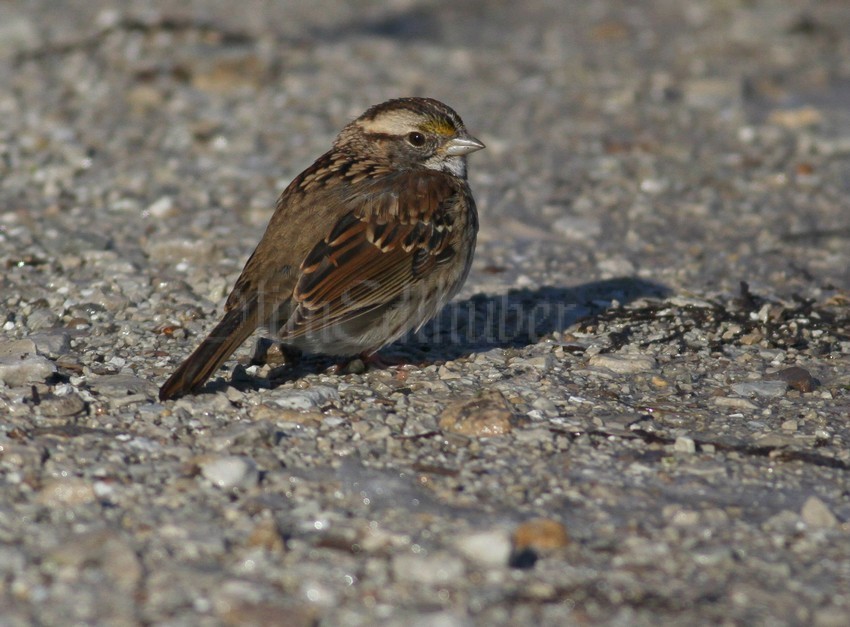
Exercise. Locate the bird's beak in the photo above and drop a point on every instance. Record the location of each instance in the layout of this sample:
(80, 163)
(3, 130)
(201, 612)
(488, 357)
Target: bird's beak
(462, 146)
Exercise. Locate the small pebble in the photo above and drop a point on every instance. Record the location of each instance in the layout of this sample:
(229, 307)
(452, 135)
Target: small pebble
(161, 207)
(684, 445)
(536, 537)
(267, 535)
(433, 619)
(253, 434)
(816, 513)
(18, 348)
(734, 403)
(578, 227)
(171, 251)
(653, 186)
(52, 344)
(832, 616)
(102, 549)
(541, 534)
(485, 416)
(61, 406)
(615, 266)
(66, 492)
(447, 374)
(309, 398)
(41, 318)
(231, 471)
(440, 568)
(19, 370)
(121, 385)
(710, 93)
(622, 365)
(545, 405)
(684, 518)
(770, 389)
(796, 118)
(488, 548)
(776, 440)
(798, 379)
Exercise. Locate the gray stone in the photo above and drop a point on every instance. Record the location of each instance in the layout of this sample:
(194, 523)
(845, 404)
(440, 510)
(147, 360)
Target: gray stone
(17, 371)
(41, 318)
(52, 343)
(314, 396)
(18, 348)
(61, 406)
(770, 389)
(121, 385)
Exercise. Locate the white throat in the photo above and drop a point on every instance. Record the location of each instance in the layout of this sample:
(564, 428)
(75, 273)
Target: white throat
(456, 166)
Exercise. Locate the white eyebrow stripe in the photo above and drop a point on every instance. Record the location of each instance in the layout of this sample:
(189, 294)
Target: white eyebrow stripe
(398, 123)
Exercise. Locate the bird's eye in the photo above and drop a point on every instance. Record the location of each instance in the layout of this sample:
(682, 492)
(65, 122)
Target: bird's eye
(416, 139)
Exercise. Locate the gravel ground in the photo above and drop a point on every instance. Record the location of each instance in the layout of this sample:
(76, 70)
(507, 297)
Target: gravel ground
(636, 412)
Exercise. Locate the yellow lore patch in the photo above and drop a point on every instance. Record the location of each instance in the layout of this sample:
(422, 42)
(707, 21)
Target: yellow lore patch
(439, 127)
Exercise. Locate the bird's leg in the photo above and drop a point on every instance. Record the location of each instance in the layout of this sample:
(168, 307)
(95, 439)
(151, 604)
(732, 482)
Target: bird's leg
(367, 361)
(274, 353)
(381, 362)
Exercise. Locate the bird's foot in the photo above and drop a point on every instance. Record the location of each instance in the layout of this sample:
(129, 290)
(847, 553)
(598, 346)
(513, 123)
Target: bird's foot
(367, 361)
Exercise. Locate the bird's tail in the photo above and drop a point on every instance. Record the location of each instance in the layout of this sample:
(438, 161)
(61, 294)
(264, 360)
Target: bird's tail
(234, 328)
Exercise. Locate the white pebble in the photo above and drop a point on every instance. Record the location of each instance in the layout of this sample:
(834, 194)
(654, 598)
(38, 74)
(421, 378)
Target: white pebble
(488, 548)
(232, 471)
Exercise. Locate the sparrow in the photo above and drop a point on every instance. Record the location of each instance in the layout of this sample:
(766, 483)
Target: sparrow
(365, 245)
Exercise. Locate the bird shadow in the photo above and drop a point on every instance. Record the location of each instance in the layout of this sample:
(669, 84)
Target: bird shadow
(518, 318)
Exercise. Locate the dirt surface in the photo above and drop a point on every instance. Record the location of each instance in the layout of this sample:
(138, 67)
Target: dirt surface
(636, 411)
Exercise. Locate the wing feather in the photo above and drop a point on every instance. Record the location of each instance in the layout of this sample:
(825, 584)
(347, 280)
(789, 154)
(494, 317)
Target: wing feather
(393, 235)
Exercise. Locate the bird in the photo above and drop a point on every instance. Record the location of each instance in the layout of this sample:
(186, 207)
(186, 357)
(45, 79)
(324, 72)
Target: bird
(365, 245)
